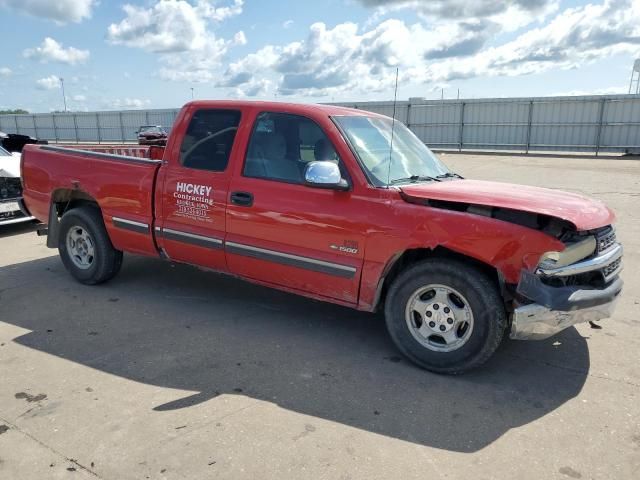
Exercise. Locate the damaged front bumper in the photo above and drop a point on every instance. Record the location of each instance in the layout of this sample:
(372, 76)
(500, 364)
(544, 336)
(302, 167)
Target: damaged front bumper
(552, 309)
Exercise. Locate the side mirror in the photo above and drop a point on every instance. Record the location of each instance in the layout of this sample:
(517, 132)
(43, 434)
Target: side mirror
(325, 174)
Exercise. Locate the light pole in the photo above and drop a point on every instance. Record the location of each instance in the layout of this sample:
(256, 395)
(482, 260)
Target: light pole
(64, 98)
(636, 68)
(191, 93)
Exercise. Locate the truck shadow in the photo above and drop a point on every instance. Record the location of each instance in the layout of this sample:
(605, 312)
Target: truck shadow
(181, 328)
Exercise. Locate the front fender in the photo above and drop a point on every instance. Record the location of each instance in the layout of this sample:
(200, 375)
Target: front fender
(504, 246)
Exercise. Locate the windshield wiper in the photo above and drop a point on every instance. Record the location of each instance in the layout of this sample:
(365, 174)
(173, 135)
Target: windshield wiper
(414, 179)
(450, 175)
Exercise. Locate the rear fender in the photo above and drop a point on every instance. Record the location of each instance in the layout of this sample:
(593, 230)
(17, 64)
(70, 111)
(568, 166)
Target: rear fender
(61, 201)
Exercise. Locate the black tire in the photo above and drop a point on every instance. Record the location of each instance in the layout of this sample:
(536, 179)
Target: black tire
(484, 302)
(106, 260)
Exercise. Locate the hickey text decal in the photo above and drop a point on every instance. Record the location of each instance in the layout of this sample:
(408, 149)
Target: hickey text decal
(193, 201)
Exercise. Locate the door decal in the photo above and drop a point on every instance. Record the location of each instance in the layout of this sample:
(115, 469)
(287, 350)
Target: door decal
(193, 201)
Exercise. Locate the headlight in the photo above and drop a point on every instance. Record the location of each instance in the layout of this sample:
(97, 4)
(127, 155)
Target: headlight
(573, 253)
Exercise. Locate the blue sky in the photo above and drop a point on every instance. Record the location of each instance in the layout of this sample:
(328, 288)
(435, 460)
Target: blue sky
(150, 53)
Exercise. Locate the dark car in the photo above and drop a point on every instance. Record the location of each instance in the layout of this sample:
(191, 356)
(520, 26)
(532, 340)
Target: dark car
(14, 142)
(152, 135)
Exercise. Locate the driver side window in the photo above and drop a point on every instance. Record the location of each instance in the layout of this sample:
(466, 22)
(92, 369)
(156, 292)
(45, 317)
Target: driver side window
(282, 145)
(208, 140)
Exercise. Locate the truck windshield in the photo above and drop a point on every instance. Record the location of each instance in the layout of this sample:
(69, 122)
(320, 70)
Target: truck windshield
(411, 160)
(4, 153)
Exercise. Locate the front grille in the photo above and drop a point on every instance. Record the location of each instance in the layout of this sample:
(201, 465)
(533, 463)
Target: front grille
(606, 239)
(10, 188)
(590, 271)
(611, 268)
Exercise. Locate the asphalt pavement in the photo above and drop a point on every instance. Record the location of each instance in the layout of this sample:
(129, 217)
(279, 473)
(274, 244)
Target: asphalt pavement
(173, 372)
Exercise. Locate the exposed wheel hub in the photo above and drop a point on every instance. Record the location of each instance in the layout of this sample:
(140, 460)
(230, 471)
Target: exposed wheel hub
(439, 317)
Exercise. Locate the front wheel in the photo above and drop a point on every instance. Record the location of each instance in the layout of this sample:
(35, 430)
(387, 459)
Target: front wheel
(85, 247)
(445, 316)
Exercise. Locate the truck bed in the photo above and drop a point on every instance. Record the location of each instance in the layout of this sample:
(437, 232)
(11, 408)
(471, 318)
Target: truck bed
(122, 185)
(124, 149)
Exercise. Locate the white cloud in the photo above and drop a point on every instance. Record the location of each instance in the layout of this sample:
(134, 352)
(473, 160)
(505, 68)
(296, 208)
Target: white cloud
(48, 83)
(5, 72)
(60, 11)
(79, 98)
(287, 23)
(182, 33)
(455, 39)
(344, 60)
(244, 74)
(335, 59)
(52, 51)
(129, 103)
(166, 27)
(574, 37)
(170, 26)
(200, 65)
(619, 90)
(219, 14)
(254, 88)
(432, 10)
(239, 38)
(465, 27)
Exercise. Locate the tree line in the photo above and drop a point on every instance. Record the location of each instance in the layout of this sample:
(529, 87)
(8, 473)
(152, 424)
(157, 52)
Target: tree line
(17, 111)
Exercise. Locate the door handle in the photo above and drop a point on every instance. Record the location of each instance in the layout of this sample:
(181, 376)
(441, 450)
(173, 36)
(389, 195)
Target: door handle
(243, 199)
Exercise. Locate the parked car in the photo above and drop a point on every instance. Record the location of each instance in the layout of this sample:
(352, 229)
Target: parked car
(315, 200)
(12, 208)
(14, 142)
(152, 135)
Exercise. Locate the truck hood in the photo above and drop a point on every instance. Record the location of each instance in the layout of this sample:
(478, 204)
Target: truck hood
(10, 166)
(583, 212)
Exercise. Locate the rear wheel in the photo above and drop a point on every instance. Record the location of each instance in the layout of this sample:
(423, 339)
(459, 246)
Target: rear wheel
(85, 248)
(445, 315)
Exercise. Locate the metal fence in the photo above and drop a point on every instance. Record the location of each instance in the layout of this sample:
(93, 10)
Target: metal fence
(100, 127)
(580, 124)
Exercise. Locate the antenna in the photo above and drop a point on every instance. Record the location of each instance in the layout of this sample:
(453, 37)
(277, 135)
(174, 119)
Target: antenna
(393, 126)
(64, 98)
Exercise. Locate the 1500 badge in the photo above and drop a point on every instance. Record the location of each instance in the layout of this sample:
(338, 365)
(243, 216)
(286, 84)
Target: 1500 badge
(348, 246)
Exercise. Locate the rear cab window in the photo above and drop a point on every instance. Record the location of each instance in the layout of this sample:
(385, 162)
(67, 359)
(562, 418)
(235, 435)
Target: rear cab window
(209, 138)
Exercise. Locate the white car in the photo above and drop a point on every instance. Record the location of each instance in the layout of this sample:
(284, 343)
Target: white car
(12, 209)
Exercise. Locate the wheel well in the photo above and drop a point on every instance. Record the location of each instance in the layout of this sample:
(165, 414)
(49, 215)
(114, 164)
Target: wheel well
(410, 257)
(61, 201)
(66, 199)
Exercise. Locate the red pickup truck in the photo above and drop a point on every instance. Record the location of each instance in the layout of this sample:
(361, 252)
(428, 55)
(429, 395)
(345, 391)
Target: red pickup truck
(340, 205)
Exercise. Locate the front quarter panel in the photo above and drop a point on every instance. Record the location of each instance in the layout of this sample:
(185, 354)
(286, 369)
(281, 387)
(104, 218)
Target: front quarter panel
(505, 246)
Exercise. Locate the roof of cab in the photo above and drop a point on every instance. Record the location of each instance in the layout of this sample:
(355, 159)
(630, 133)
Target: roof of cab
(282, 106)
